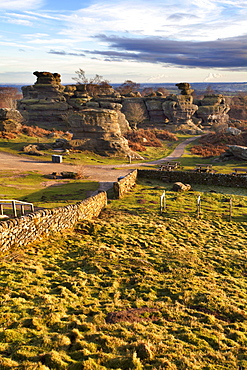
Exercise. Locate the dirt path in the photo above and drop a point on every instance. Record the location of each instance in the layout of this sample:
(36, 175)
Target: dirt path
(104, 174)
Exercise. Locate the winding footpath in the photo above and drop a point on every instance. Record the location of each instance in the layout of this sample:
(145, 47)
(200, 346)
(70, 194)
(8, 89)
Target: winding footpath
(104, 174)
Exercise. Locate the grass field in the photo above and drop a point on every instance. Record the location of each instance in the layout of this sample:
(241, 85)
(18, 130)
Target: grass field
(134, 289)
(43, 192)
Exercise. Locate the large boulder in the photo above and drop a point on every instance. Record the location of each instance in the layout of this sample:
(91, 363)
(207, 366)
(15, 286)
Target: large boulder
(179, 186)
(238, 151)
(180, 108)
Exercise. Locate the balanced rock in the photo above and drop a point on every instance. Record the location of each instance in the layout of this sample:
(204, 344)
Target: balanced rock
(180, 108)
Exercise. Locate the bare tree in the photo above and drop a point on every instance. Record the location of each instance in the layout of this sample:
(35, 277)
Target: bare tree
(135, 115)
(92, 85)
(8, 97)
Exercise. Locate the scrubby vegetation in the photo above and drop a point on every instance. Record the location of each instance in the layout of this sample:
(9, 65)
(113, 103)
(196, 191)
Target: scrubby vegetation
(33, 131)
(134, 289)
(139, 139)
(214, 144)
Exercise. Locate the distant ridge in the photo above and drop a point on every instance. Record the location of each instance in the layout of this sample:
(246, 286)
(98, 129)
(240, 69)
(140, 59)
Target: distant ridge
(199, 87)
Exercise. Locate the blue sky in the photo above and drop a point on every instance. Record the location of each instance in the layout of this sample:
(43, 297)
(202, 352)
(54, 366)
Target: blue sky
(140, 40)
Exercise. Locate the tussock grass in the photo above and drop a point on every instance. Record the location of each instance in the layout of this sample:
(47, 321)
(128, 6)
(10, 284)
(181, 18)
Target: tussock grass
(176, 284)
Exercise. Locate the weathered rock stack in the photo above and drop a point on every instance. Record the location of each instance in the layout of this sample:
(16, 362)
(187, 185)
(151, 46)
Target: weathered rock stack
(44, 103)
(97, 123)
(213, 109)
(180, 108)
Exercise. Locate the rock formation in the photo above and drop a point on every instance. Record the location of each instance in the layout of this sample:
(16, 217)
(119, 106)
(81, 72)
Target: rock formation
(44, 103)
(96, 114)
(96, 122)
(212, 109)
(10, 120)
(99, 130)
(237, 151)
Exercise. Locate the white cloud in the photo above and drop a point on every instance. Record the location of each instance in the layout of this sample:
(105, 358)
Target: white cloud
(20, 4)
(196, 20)
(212, 77)
(21, 22)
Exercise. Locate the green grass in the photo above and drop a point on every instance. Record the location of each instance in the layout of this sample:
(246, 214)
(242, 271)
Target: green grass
(184, 277)
(35, 188)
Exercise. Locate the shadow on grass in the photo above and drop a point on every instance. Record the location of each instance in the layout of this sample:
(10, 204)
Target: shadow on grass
(56, 194)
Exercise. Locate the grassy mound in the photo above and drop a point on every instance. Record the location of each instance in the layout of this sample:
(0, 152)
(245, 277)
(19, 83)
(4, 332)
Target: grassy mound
(135, 289)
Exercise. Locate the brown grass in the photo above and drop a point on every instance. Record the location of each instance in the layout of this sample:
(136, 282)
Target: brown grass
(214, 144)
(138, 139)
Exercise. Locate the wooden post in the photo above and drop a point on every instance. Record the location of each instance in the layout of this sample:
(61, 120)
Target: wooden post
(230, 209)
(198, 206)
(163, 202)
(22, 210)
(32, 208)
(14, 208)
(1, 209)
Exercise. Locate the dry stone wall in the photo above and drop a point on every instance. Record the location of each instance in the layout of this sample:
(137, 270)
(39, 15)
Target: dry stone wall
(124, 185)
(202, 178)
(34, 226)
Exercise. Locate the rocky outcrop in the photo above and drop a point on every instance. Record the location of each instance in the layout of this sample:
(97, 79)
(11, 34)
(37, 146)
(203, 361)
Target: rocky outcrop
(238, 151)
(155, 111)
(96, 114)
(10, 120)
(180, 108)
(212, 109)
(44, 103)
(95, 120)
(99, 130)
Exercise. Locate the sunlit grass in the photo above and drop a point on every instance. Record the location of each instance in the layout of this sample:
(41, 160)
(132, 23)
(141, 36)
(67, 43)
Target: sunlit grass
(177, 282)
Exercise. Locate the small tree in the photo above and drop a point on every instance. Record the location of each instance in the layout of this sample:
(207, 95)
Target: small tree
(135, 115)
(127, 87)
(94, 84)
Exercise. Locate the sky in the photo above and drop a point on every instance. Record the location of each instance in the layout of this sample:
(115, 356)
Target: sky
(146, 41)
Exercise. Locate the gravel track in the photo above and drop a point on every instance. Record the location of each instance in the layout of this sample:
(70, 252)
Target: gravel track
(104, 174)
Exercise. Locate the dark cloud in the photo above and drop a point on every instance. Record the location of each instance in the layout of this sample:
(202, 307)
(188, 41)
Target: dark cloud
(222, 53)
(62, 52)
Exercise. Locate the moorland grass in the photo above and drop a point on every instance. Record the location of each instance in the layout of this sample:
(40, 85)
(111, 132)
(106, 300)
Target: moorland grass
(133, 289)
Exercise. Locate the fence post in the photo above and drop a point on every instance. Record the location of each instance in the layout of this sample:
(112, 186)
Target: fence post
(198, 206)
(163, 202)
(14, 208)
(230, 209)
